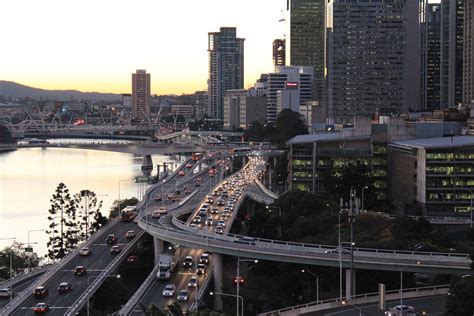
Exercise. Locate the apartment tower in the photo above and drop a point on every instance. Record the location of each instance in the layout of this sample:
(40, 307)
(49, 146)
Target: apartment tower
(141, 95)
(226, 68)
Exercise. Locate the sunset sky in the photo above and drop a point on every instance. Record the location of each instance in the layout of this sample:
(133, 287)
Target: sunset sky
(95, 45)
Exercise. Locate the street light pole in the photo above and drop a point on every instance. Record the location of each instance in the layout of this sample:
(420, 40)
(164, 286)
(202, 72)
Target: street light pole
(269, 208)
(232, 295)
(238, 281)
(317, 283)
(28, 244)
(340, 250)
(366, 187)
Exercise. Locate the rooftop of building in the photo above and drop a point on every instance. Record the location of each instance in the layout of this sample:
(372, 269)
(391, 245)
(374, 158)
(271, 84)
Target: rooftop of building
(329, 136)
(436, 142)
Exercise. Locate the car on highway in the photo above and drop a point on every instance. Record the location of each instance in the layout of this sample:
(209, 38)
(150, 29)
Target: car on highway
(398, 310)
(115, 250)
(221, 222)
(344, 251)
(40, 291)
(188, 262)
(80, 270)
(187, 190)
(169, 290)
(188, 165)
(214, 210)
(181, 173)
(183, 296)
(193, 282)
(64, 287)
(130, 234)
(155, 214)
(197, 219)
(133, 259)
(197, 183)
(245, 240)
(204, 258)
(219, 230)
(163, 210)
(5, 293)
(201, 269)
(85, 251)
(111, 239)
(175, 199)
(209, 221)
(158, 197)
(41, 308)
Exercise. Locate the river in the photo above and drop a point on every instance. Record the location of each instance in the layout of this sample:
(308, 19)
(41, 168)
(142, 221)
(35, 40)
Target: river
(29, 177)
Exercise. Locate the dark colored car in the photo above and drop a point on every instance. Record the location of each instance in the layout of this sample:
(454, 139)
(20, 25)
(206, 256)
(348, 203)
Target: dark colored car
(40, 291)
(64, 287)
(80, 270)
(41, 308)
(188, 262)
(115, 250)
(201, 269)
(204, 258)
(130, 234)
(111, 239)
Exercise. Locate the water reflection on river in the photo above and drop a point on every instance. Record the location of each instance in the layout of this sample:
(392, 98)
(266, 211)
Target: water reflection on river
(28, 178)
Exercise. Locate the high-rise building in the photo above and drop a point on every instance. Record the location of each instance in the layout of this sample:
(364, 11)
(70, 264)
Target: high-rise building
(307, 38)
(374, 57)
(241, 109)
(226, 67)
(279, 52)
(468, 80)
(201, 99)
(432, 57)
(288, 87)
(452, 20)
(141, 95)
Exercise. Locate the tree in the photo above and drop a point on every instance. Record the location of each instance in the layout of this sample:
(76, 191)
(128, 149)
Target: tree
(255, 132)
(20, 260)
(288, 124)
(120, 205)
(88, 207)
(5, 135)
(111, 295)
(62, 209)
(175, 309)
(460, 300)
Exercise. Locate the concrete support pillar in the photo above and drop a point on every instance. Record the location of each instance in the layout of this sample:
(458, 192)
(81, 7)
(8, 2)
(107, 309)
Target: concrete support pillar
(158, 245)
(244, 161)
(274, 161)
(218, 304)
(348, 283)
(147, 163)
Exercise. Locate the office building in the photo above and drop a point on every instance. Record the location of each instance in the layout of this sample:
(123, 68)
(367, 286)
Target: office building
(201, 99)
(374, 58)
(288, 87)
(279, 52)
(452, 20)
(226, 67)
(313, 157)
(432, 57)
(241, 108)
(141, 95)
(306, 41)
(434, 174)
(468, 77)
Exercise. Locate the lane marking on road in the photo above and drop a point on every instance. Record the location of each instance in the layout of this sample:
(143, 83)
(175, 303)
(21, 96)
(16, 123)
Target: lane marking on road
(50, 307)
(88, 270)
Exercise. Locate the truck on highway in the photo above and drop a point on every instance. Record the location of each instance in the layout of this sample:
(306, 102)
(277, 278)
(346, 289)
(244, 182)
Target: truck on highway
(167, 263)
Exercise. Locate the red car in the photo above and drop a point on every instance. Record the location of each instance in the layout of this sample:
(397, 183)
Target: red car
(181, 173)
(41, 308)
(133, 259)
(189, 165)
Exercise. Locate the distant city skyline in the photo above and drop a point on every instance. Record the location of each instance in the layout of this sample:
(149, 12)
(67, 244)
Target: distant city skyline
(95, 46)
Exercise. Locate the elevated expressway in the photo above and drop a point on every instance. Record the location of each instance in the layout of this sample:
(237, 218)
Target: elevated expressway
(100, 264)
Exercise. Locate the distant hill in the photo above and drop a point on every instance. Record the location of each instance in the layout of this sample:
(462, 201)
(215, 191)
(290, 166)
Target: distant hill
(15, 90)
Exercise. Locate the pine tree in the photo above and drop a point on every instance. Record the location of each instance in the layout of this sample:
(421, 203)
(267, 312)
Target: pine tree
(89, 217)
(62, 228)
